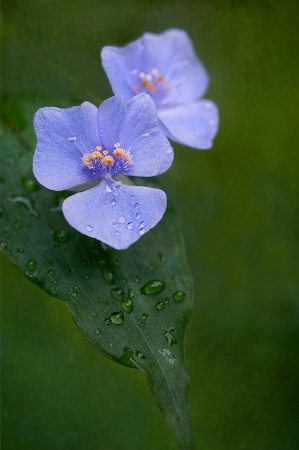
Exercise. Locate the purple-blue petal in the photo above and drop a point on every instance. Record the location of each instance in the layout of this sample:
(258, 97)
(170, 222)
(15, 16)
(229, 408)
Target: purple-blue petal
(118, 219)
(194, 124)
(63, 135)
(170, 52)
(134, 125)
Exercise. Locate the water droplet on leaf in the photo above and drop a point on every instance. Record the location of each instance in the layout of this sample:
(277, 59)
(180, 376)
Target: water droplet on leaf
(18, 225)
(61, 236)
(153, 287)
(107, 322)
(160, 306)
(127, 306)
(51, 273)
(118, 294)
(117, 318)
(171, 340)
(31, 265)
(108, 276)
(29, 184)
(179, 296)
(98, 331)
(139, 354)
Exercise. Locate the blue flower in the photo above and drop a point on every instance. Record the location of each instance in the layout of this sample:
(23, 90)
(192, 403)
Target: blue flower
(85, 144)
(166, 67)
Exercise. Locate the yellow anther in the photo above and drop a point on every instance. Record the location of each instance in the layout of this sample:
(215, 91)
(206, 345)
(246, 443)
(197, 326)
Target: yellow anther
(98, 148)
(127, 156)
(160, 79)
(107, 160)
(105, 153)
(145, 83)
(96, 155)
(117, 144)
(118, 152)
(152, 88)
(87, 160)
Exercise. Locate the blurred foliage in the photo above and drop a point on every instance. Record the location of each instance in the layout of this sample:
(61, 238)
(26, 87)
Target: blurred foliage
(237, 204)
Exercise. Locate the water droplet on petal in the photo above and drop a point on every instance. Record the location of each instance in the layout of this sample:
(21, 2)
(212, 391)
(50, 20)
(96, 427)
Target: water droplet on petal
(118, 294)
(117, 232)
(136, 206)
(153, 287)
(145, 135)
(117, 318)
(72, 139)
(165, 142)
(89, 228)
(169, 150)
(31, 265)
(142, 225)
(138, 215)
(113, 202)
(114, 223)
(143, 231)
(121, 219)
(130, 225)
(179, 296)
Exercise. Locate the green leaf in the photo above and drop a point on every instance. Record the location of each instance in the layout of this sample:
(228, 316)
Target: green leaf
(132, 305)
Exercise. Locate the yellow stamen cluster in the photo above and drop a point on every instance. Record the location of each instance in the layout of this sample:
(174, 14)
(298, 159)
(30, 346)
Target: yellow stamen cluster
(151, 82)
(106, 160)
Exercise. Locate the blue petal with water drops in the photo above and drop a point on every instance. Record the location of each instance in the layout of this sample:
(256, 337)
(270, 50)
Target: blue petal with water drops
(83, 144)
(134, 125)
(166, 67)
(62, 137)
(116, 218)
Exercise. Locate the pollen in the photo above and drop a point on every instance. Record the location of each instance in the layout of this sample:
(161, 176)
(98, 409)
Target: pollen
(127, 157)
(107, 160)
(98, 148)
(87, 160)
(160, 79)
(105, 153)
(96, 155)
(118, 152)
(145, 83)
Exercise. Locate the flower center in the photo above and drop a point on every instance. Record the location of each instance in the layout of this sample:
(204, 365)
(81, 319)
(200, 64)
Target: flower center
(111, 163)
(152, 83)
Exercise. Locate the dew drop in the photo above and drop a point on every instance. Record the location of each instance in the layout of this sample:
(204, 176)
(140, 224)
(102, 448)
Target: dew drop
(61, 236)
(143, 231)
(51, 273)
(139, 354)
(153, 287)
(117, 232)
(179, 296)
(144, 316)
(18, 225)
(136, 206)
(118, 294)
(137, 279)
(113, 202)
(31, 265)
(142, 225)
(145, 135)
(165, 142)
(76, 289)
(138, 215)
(117, 318)
(89, 228)
(107, 322)
(127, 306)
(25, 202)
(167, 300)
(20, 250)
(160, 306)
(171, 340)
(108, 276)
(72, 139)
(121, 219)
(130, 225)
(29, 184)
(152, 267)
(114, 223)
(98, 331)
(117, 263)
(127, 358)
(169, 150)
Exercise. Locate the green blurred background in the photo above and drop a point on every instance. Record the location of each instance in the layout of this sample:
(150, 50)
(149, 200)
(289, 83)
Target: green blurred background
(237, 205)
